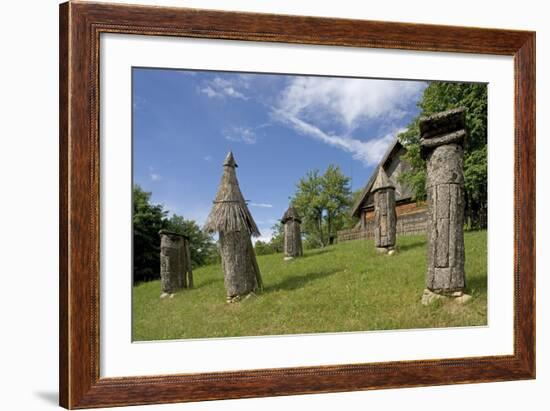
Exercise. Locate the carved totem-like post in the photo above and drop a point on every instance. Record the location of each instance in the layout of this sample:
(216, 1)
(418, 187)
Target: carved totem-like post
(175, 263)
(442, 140)
(385, 219)
(293, 234)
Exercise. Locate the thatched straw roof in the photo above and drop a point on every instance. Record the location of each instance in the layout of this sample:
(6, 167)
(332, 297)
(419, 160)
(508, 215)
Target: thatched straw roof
(229, 212)
(291, 214)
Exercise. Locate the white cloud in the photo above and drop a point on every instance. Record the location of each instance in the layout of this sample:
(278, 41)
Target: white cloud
(267, 235)
(309, 104)
(221, 88)
(262, 205)
(240, 135)
(210, 92)
(207, 158)
(155, 177)
(348, 101)
(369, 151)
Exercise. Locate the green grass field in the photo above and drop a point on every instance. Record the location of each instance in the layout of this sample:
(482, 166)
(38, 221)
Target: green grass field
(345, 287)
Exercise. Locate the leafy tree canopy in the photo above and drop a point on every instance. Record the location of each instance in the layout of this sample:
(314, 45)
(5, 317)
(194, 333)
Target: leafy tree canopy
(148, 220)
(440, 96)
(201, 245)
(323, 202)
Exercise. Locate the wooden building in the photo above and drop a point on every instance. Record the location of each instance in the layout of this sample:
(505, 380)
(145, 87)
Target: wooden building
(411, 216)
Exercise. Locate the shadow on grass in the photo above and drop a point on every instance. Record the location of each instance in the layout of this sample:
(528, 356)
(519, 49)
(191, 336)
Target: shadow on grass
(477, 284)
(411, 246)
(208, 282)
(315, 252)
(293, 283)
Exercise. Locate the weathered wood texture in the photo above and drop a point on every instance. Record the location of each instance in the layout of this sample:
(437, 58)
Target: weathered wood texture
(292, 233)
(238, 263)
(293, 239)
(231, 218)
(385, 218)
(407, 224)
(175, 262)
(442, 138)
(80, 25)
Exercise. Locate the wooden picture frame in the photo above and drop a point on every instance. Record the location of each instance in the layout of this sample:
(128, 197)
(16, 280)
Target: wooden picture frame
(80, 27)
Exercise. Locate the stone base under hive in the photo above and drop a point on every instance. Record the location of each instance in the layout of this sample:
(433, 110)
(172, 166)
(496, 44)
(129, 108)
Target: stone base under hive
(429, 297)
(237, 298)
(386, 250)
(167, 295)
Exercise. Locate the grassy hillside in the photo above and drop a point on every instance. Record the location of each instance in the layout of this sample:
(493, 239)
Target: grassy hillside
(345, 287)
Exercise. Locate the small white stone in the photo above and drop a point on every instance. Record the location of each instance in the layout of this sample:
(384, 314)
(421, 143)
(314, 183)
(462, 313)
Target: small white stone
(463, 299)
(288, 258)
(391, 252)
(164, 295)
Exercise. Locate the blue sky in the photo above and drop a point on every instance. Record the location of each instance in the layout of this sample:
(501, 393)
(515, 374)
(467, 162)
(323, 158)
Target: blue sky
(278, 126)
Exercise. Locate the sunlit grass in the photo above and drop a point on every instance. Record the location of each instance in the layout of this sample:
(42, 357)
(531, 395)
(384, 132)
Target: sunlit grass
(344, 287)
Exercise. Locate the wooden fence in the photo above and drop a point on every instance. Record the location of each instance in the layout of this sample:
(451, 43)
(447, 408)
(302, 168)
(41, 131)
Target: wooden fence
(407, 224)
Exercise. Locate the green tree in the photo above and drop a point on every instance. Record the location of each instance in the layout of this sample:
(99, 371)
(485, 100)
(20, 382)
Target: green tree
(148, 219)
(336, 196)
(201, 245)
(262, 248)
(277, 240)
(440, 96)
(323, 202)
(309, 201)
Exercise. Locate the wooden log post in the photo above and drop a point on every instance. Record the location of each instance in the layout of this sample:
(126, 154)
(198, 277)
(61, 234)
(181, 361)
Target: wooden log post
(442, 139)
(239, 264)
(385, 218)
(175, 263)
(292, 234)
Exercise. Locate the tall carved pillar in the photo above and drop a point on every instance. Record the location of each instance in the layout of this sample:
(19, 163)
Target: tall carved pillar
(442, 140)
(293, 234)
(175, 263)
(385, 218)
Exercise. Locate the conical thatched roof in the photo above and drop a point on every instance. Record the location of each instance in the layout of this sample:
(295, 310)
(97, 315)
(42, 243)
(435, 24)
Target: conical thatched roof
(382, 181)
(291, 214)
(229, 212)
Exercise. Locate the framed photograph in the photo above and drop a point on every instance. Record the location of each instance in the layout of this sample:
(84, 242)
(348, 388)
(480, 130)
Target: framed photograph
(258, 205)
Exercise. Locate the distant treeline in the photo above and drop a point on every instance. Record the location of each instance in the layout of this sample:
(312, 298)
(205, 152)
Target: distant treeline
(148, 219)
(323, 202)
